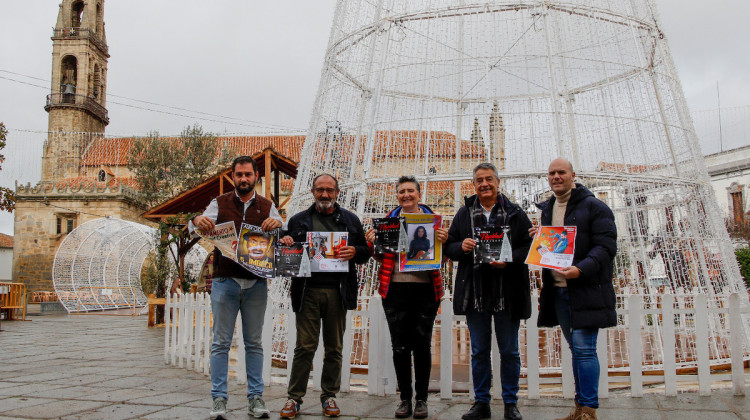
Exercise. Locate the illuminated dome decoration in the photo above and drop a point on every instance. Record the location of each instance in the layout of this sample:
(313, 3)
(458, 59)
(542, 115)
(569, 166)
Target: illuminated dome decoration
(432, 88)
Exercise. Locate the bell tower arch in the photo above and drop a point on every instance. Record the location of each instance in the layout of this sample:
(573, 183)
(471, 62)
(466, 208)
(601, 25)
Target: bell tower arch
(78, 94)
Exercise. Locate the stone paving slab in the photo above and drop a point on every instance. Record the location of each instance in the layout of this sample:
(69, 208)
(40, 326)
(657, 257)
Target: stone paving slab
(111, 367)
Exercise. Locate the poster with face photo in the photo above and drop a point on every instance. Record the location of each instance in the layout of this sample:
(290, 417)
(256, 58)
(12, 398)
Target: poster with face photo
(255, 250)
(424, 252)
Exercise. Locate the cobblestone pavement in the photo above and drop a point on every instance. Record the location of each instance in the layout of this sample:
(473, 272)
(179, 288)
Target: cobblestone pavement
(112, 367)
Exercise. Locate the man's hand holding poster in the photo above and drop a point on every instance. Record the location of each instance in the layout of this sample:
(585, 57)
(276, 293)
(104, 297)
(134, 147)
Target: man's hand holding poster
(255, 250)
(424, 251)
(224, 237)
(553, 247)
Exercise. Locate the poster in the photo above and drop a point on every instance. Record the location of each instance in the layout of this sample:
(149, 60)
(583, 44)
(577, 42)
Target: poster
(289, 260)
(324, 251)
(255, 250)
(553, 247)
(224, 237)
(493, 244)
(387, 231)
(424, 252)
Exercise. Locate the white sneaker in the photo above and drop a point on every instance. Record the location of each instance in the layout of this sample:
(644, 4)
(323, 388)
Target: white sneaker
(219, 410)
(257, 408)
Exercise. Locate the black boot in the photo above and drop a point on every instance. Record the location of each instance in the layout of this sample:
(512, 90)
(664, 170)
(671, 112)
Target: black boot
(512, 413)
(404, 409)
(478, 411)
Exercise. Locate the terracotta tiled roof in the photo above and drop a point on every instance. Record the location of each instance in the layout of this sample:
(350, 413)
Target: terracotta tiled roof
(115, 151)
(90, 182)
(6, 241)
(392, 144)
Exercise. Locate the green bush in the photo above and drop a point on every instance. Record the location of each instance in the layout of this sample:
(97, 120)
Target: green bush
(743, 259)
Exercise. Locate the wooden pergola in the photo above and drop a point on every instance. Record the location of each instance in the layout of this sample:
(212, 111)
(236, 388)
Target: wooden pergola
(271, 165)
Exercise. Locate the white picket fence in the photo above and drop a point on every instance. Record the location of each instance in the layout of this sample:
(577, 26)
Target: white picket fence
(187, 344)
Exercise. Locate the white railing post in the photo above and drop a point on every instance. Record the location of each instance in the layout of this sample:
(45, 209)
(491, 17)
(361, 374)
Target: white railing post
(601, 354)
(208, 334)
(346, 353)
(175, 339)
(267, 340)
(167, 320)
(737, 341)
(446, 349)
(291, 340)
(532, 350)
(190, 330)
(199, 337)
(373, 358)
(497, 389)
(701, 345)
(635, 358)
(668, 345)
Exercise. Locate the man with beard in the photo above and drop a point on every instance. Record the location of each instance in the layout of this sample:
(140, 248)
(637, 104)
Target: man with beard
(323, 298)
(491, 292)
(235, 289)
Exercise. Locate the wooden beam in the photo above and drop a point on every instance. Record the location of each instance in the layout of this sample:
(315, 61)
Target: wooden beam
(285, 201)
(276, 186)
(267, 173)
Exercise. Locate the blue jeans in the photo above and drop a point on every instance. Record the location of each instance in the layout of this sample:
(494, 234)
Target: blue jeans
(506, 332)
(582, 342)
(227, 298)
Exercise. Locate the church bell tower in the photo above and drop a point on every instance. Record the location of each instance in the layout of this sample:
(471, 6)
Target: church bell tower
(77, 100)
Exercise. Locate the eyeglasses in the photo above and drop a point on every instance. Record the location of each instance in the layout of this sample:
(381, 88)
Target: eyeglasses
(329, 191)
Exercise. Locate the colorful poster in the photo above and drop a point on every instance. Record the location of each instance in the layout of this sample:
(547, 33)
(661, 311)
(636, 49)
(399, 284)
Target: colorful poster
(293, 260)
(224, 237)
(324, 251)
(553, 247)
(424, 252)
(255, 250)
(387, 231)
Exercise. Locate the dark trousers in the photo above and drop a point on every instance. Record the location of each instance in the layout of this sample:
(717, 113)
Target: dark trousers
(410, 309)
(319, 306)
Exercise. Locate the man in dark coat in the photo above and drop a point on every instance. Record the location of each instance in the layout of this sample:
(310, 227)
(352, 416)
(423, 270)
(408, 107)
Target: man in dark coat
(323, 298)
(498, 290)
(580, 298)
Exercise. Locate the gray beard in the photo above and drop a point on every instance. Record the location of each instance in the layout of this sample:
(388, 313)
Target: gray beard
(321, 205)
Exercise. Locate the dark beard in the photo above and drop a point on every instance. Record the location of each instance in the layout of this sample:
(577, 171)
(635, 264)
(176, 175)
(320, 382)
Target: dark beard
(243, 191)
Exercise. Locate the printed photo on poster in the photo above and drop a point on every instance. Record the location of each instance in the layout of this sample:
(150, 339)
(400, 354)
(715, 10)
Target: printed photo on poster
(289, 260)
(387, 231)
(324, 251)
(553, 247)
(490, 244)
(255, 250)
(224, 237)
(424, 251)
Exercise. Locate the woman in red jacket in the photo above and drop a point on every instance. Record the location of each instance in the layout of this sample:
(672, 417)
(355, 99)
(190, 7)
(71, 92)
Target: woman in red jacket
(410, 301)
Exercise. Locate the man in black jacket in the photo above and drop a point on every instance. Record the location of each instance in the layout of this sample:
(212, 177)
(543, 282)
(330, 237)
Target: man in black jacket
(498, 290)
(580, 298)
(326, 296)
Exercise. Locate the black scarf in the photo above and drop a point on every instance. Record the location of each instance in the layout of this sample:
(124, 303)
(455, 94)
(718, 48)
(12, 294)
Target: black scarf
(487, 282)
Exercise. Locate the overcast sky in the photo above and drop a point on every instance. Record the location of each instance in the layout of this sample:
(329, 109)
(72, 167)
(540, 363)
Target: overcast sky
(251, 62)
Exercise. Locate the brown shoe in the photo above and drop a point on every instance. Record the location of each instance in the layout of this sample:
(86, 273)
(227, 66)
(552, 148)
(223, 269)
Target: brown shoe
(404, 409)
(420, 410)
(588, 413)
(290, 409)
(330, 409)
(575, 413)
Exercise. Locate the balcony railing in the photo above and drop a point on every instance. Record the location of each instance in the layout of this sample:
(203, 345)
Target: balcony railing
(78, 101)
(80, 33)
